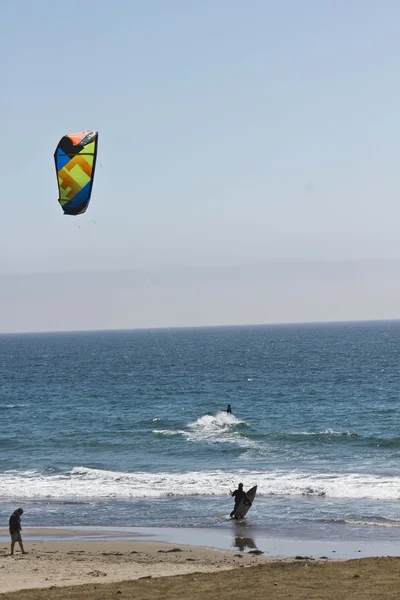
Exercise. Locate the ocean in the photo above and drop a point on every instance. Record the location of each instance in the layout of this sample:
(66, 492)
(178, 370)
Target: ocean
(128, 429)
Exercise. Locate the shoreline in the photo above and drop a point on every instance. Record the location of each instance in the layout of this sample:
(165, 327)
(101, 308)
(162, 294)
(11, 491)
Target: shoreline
(241, 538)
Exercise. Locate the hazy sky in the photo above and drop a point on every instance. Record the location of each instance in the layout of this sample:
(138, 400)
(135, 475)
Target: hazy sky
(229, 132)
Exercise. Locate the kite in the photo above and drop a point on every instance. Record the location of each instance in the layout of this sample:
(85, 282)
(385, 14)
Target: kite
(75, 160)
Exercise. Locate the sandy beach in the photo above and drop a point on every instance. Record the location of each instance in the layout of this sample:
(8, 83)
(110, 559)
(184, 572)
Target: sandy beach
(98, 569)
(61, 563)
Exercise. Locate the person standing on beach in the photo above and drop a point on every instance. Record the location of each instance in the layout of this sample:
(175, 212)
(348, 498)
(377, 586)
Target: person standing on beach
(239, 495)
(15, 530)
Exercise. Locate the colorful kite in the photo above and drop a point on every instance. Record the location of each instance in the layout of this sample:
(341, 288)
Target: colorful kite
(75, 160)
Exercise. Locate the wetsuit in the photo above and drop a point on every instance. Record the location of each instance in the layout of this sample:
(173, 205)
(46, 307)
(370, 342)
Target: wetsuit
(239, 495)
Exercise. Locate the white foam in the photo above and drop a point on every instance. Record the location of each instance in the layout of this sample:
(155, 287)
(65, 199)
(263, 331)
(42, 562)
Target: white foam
(221, 437)
(373, 524)
(84, 482)
(219, 428)
(168, 431)
(222, 420)
(327, 432)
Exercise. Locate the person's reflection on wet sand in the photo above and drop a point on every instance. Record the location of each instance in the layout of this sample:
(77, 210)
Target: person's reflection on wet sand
(244, 542)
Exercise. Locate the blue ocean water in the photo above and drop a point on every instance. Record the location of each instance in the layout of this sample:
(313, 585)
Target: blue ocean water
(127, 428)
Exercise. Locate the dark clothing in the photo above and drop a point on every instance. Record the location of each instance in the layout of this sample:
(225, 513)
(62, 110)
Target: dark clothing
(229, 410)
(15, 522)
(239, 495)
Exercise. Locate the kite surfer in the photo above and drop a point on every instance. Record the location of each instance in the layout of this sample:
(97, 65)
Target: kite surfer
(229, 410)
(239, 495)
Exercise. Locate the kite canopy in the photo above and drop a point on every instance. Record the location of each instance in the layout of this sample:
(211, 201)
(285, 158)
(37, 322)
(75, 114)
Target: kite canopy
(75, 160)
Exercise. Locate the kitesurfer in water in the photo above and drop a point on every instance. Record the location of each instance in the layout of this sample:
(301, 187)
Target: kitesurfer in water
(229, 410)
(239, 495)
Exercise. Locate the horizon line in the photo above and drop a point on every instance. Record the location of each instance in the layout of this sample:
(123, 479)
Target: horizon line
(181, 327)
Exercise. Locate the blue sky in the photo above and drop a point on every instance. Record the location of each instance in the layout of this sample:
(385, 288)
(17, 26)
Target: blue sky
(229, 132)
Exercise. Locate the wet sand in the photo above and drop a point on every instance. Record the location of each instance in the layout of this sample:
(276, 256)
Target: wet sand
(238, 538)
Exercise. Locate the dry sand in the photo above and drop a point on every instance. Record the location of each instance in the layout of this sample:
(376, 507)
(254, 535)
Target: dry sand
(72, 563)
(99, 570)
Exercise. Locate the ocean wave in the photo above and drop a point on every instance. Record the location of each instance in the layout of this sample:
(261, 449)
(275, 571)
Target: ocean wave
(324, 433)
(85, 482)
(221, 421)
(387, 525)
(222, 428)
(393, 442)
(365, 522)
(168, 432)
(332, 435)
(214, 429)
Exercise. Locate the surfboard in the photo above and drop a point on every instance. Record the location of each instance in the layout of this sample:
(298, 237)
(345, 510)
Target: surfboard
(242, 509)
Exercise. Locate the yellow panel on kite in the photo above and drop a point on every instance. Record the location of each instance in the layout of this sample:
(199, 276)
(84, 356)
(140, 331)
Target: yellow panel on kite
(75, 160)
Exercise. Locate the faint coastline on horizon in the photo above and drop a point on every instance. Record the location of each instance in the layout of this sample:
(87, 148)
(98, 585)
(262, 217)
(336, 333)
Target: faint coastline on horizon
(244, 326)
